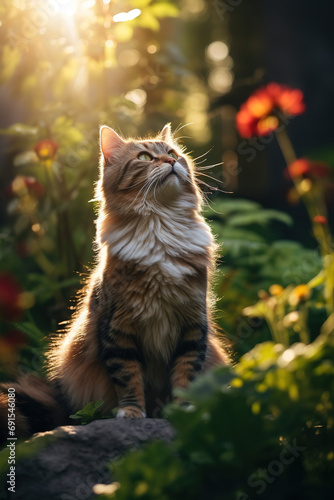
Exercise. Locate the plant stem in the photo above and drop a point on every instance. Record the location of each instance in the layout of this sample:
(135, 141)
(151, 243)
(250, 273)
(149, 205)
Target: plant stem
(286, 146)
(290, 156)
(315, 205)
(304, 334)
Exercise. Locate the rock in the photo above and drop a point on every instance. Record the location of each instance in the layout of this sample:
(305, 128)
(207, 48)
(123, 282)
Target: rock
(77, 457)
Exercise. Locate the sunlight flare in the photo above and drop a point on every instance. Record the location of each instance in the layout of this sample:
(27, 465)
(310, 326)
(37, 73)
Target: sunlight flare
(126, 16)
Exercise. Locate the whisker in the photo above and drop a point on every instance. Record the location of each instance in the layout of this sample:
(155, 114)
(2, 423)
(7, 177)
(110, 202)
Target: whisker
(180, 127)
(199, 162)
(184, 137)
(210, 203)
(201, 156)
(212, 178)
(206, 167)
(205, 199)
(141, 189)
(213, 188)
(153, 179)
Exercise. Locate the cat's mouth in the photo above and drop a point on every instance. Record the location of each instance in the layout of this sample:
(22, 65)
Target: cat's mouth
(171, 173)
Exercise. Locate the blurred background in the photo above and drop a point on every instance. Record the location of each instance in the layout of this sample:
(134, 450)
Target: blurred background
(68, 66)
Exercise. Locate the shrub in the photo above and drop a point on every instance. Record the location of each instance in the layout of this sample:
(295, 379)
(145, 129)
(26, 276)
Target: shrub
(261, 429)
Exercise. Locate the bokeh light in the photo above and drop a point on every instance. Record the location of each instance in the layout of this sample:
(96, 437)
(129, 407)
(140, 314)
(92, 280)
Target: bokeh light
(217, 51)
(152, 49)
(128, 58)
(137, 96)
(196, 106)
(192, 8)
(220, 80)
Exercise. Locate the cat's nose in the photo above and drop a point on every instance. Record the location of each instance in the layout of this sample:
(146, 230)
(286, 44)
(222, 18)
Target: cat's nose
(170, 160)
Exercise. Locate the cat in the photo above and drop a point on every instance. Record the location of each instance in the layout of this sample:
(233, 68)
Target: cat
(143, 326)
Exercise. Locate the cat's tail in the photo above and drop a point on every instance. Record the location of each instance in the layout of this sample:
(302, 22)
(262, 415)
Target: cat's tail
(29, 405)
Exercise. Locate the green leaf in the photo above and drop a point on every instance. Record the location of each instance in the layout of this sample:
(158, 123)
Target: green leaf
(261, 217)
(123, 32)
(164, 9)
(31, 330)
(147, 20)
(140, 4)
(90, 412)
(225, 207)
(236, 233)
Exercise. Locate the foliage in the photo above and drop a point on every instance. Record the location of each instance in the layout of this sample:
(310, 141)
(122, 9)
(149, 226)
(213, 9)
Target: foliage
(90, 412)
(264, 427)
(253, 259)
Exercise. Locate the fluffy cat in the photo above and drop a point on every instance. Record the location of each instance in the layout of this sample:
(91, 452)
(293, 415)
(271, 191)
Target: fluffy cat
(143, 326)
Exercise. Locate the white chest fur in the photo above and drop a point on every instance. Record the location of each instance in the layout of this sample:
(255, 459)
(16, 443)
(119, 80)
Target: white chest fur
(158, 239)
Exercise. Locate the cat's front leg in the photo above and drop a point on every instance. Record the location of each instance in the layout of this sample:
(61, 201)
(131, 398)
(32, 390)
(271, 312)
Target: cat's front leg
(189, 355)
(124, 364)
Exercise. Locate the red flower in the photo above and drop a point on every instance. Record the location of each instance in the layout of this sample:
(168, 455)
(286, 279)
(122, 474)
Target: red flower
(289, 101)
(320, 169)
(320, 219)
(14, 338)
(46, 149)
(258, 115)
(10, 344)
(10, 292)
(307, 168)
(246, 122)
(22, 184)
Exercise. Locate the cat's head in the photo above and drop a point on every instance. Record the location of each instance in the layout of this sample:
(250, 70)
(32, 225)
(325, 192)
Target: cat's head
(145, 175)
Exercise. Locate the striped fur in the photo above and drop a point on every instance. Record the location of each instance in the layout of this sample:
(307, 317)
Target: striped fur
(143, 327)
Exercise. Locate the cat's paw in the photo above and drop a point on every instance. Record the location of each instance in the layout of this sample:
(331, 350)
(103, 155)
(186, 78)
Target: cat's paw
(130, 412)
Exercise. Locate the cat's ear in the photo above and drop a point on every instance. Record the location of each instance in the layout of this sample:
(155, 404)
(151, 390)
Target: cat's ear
(109, 141)
(166, 133)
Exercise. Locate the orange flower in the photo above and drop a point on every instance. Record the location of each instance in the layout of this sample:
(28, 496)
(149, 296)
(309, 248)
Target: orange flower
(46, 149)
(307, 168)
(276, 290)
(299, 294)
(298, 168)
(258, 115)
(320, 219)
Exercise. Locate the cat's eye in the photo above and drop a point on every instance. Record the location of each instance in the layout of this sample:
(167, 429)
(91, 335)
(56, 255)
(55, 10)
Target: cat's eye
(173, 155)
(144, 157)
